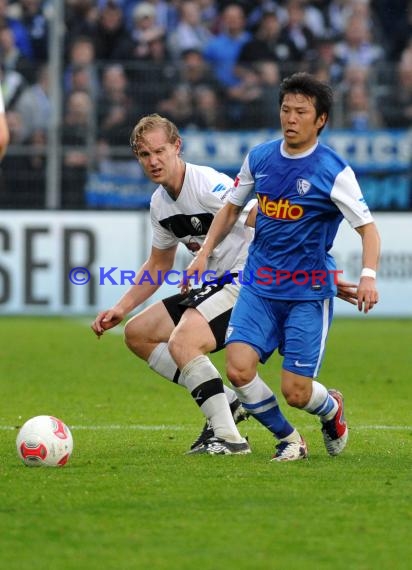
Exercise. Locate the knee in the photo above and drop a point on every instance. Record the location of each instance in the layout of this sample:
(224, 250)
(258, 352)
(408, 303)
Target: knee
(176, 341)
(237, 375)
(296, 395)
(132, 338)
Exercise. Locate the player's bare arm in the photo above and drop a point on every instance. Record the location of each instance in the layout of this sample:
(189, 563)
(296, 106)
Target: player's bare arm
(251, 218)
(159, 262)
(367, 293)
(221, 226)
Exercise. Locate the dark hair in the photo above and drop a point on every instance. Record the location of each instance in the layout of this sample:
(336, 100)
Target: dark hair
(306, 84)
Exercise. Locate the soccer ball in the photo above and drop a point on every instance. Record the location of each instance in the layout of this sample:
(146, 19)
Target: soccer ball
(44, 440)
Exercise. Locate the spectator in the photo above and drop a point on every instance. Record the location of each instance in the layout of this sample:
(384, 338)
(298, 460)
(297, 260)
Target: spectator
(110, 31)
(35, 22)
(21, 37)
(396, 106)
(267, 115)
(25, 172)
(360, 112)
(76, 140)
(178, 108)
(82, 58)
(395, 19)
(116, 110)
(147, 61)
(262, 7)
(125, 6)
(80, 18)
(190, 32)
(354, 76)
(166, 14)
(223, 50)
(253, 103)
(244, 99)
(11, 57)
(209, 14)
(264, 45)
(208, 111)
(34, 104)
(135, 46)
(357, 47)
(298, 38)
(327, 59)
(195, 71)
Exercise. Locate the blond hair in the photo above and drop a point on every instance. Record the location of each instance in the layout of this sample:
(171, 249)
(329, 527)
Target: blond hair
(149, 123)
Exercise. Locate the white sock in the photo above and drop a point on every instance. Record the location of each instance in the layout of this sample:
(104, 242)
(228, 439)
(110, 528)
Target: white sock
(294, 437)
(230, 394)
(161, 362)
(321, 402)
(205, 385)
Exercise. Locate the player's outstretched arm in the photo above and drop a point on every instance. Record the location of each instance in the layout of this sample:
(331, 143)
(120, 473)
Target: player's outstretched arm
(221, 226)
(146, 283)
(367, 293)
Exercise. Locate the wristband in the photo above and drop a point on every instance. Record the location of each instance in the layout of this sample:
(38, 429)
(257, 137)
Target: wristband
(2, 109)
(367, 272)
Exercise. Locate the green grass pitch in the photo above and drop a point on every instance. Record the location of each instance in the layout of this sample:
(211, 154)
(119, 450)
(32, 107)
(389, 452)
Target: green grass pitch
(129, 498)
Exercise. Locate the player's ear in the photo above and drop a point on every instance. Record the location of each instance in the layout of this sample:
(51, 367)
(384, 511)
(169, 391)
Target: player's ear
(321, 120)
(178, 145)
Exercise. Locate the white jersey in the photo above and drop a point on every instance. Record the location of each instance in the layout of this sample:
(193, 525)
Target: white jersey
(187, 219)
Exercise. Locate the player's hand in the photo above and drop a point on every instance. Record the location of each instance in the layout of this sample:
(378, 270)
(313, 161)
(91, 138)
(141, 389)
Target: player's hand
(347, 292)
(195, 269)
(367, 294)
(106, 320)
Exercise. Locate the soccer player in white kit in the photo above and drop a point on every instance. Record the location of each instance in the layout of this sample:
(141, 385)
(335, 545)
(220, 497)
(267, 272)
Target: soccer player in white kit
(175, 335)
(304, 190)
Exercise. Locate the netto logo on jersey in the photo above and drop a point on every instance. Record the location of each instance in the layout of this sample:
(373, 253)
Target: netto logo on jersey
(280, 209)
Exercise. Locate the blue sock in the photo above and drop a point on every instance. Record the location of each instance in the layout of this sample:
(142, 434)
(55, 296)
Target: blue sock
(259, 400)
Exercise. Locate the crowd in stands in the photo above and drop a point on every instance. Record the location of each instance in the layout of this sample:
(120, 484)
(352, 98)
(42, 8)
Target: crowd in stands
(205, 64)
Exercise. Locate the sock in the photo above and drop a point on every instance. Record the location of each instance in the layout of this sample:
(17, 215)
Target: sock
(161, 362)
(230, 394)
(204, 383)
(259, 400)
(321, 402)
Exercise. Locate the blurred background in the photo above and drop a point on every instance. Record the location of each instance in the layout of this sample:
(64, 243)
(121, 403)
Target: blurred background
(77, 75)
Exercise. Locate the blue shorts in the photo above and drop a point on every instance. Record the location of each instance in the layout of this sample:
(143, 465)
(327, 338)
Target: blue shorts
(298, 329)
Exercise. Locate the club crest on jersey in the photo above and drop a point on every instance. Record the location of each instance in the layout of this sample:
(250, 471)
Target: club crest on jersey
(303, 186)
(196, 223)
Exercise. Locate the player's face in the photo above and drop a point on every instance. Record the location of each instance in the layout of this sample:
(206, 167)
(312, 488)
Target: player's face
(158, 157)
(299, 123)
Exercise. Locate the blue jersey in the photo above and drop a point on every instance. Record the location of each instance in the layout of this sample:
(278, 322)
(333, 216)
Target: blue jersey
(301, 201)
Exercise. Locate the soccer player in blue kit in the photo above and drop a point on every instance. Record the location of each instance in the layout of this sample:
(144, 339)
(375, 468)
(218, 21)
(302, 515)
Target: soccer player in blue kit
(304, 190)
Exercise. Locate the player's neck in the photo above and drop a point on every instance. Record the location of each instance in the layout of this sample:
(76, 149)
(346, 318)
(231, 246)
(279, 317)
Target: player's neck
(174, 187)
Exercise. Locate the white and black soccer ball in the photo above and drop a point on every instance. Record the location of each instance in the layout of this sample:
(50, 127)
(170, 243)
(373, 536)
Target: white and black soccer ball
(44, 440)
